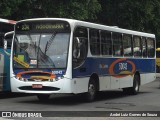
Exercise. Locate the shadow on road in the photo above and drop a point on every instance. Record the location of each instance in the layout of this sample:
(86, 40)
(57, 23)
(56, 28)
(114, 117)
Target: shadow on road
(4, 95)
(69, 100)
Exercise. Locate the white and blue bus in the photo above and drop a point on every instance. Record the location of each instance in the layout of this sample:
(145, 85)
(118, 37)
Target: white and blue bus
(52, 55)
(5, 26)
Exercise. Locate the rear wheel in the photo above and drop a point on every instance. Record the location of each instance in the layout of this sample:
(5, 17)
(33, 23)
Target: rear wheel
(136, 85)
(43, 97)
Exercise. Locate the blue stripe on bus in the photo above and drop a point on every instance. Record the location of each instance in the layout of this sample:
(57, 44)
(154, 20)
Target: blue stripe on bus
(114, 66)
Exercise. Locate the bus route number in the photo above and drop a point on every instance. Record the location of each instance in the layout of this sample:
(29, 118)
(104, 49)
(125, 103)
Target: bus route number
(122, 66)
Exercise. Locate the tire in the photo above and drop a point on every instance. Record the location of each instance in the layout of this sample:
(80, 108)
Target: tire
(136, 85)
(92, 89)
(43, 97)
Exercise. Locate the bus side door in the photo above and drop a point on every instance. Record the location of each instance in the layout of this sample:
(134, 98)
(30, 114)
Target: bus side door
(1, 70)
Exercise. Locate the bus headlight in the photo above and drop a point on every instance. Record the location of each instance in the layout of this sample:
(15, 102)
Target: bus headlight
(59, 78)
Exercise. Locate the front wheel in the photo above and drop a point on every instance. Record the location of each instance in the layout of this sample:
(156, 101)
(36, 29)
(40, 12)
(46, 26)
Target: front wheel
(90, 95)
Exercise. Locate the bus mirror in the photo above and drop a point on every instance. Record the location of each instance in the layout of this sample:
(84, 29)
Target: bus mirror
(76, 51)
(78, 41)
(5, 48)
(5, 44)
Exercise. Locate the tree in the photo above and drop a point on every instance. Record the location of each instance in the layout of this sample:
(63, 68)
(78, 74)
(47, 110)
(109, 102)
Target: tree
(139, 15)
(8, 7)
(77, 9)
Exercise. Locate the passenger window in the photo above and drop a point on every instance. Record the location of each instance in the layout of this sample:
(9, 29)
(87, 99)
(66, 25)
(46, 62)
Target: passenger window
(106, 43)
(80, 46)
(144, 47)
(127, 45)
(117, 44)
(94, 42)
(137, 46)
(151, 47)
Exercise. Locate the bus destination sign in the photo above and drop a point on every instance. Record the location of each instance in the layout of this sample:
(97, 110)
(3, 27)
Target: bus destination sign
(42, 26)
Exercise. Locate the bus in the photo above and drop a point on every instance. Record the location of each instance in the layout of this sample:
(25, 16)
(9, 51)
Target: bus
(5, 26)
(158, 60)
(55, 55)
(6, 62)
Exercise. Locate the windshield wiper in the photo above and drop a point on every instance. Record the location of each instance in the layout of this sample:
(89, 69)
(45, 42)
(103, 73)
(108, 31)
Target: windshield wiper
(48, 44)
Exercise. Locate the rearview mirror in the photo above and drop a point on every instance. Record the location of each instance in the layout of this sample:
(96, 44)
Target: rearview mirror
(76, 49)
(5, 48)
(5, 44)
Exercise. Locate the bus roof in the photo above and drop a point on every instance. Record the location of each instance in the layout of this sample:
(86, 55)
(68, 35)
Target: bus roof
(7, 21)
(94, 25)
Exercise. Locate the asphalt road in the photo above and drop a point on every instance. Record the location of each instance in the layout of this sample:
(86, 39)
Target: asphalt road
(110, 101)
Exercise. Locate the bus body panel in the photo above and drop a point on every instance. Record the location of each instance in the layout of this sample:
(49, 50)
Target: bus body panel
(63, 85)
(115, 75)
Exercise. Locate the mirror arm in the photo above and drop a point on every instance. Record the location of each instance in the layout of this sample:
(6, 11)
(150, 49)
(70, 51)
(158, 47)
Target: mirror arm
(7, 53)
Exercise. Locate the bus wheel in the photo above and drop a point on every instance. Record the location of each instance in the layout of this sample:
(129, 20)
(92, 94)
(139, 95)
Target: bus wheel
(43, 97)
(136, 84)
(90, 95)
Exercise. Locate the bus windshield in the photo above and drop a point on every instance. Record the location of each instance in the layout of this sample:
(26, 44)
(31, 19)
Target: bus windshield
(41, 50)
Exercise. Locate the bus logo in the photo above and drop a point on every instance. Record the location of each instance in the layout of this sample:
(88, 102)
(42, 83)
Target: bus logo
(122, 68)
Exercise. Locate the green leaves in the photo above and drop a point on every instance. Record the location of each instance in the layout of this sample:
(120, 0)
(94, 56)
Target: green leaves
(140, 15)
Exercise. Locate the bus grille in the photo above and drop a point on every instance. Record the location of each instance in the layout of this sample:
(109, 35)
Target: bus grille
(44, 88)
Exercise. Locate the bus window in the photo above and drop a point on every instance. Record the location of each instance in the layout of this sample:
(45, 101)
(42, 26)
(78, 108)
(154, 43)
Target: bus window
(127, 45)
(137, 46)
(117, 44)
(80, 46)
(106, 43)
(94, 42)
(144, 47)
(151, 47)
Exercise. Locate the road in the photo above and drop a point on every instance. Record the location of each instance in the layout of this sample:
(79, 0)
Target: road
(147, 100)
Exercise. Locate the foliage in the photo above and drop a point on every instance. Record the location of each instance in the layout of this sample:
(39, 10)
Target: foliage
(140, 15)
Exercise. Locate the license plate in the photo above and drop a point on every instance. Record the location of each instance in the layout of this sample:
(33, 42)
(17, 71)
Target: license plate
(36, 85)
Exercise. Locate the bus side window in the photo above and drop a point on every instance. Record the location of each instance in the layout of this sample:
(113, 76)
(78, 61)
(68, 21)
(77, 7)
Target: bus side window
(106, 43)
(127, 45)
(80, 46)
(94, 41)
(144, 47)
(137, 51)
(117, 44)
(151, 47)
